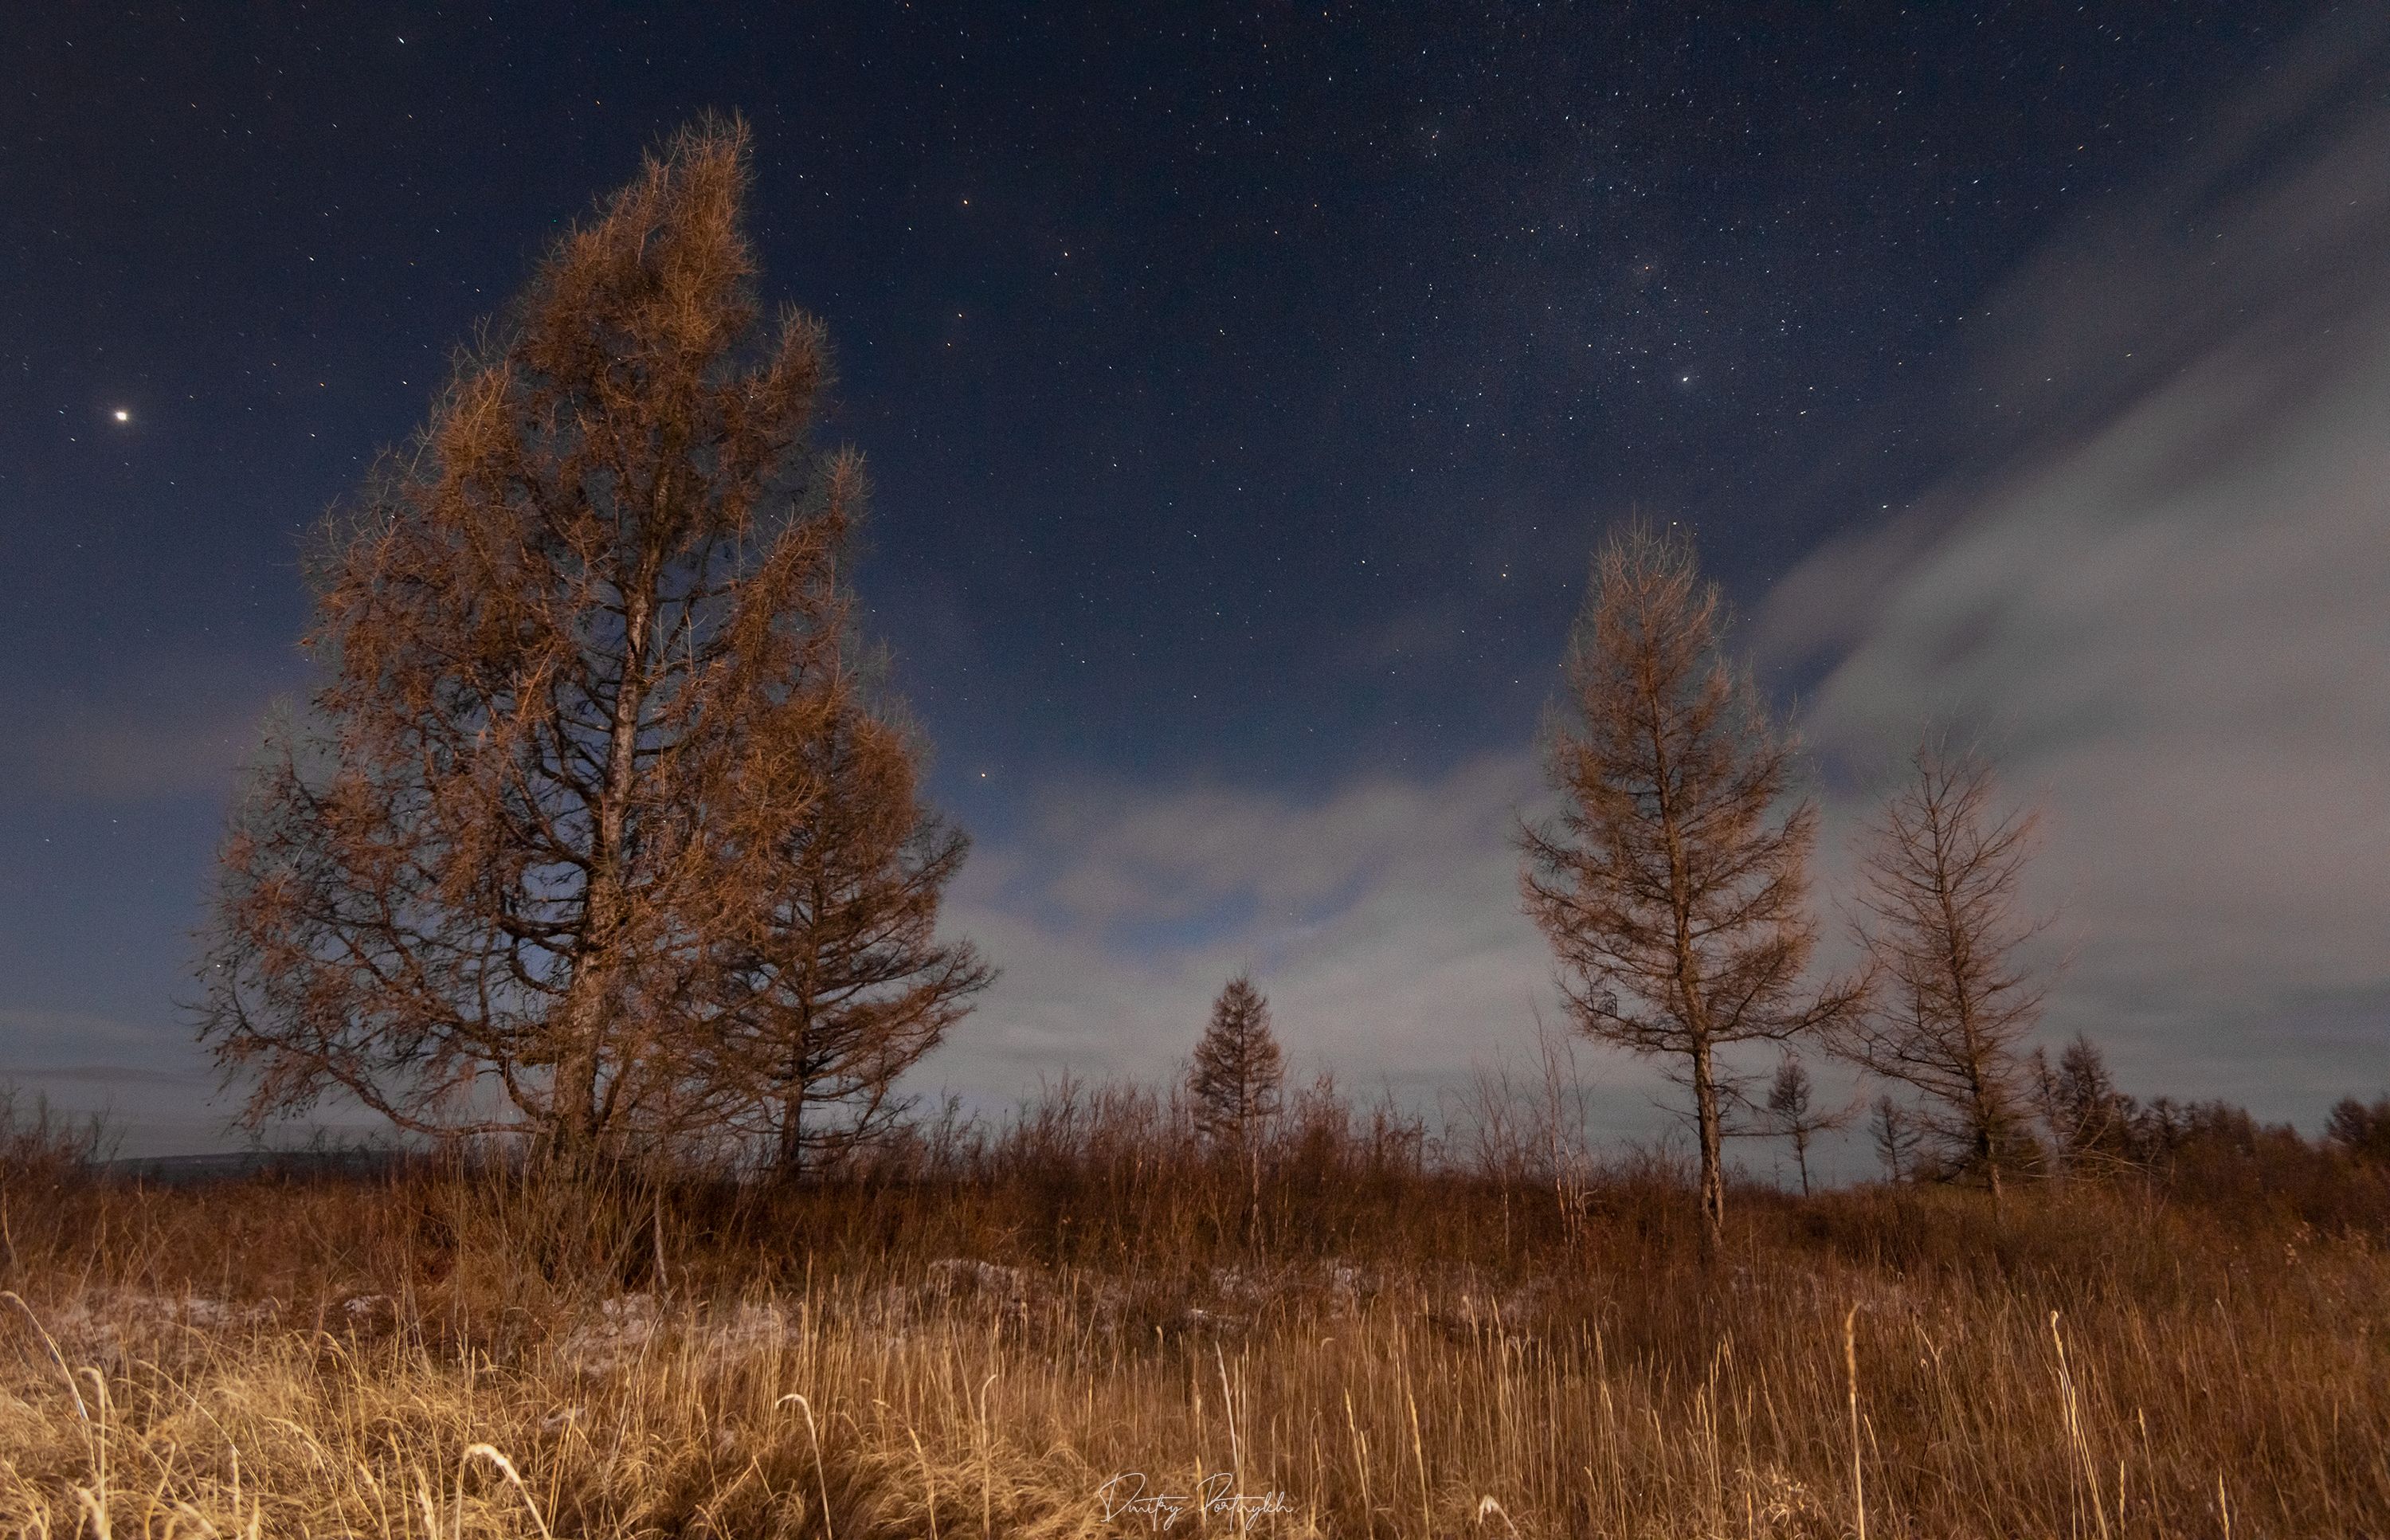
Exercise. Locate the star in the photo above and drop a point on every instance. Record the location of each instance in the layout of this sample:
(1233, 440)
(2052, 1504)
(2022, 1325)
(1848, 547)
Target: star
(123, 416)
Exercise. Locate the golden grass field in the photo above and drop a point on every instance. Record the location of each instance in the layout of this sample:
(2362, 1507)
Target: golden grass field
(1346, 1343)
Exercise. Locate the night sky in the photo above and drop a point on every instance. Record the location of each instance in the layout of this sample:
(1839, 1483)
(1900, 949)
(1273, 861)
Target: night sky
(1244, 391)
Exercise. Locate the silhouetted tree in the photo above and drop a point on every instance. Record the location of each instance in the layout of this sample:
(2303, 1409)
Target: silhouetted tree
(2090, 1123)
(1673, 883)
(1792, 1113)
(2363, 1131)
(583, 640)
(1237, 1076)
(1949, 1000)
(1895, 1130)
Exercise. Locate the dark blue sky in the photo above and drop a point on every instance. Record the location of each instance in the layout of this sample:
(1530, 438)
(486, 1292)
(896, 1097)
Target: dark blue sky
(1243, 387)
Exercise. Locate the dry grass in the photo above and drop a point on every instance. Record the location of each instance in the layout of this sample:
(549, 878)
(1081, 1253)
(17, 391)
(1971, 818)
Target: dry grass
(978, 1349)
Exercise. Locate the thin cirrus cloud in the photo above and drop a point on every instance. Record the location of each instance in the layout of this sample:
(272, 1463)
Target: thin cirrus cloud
(1383, 921)
(2169, 612)
(169, 729)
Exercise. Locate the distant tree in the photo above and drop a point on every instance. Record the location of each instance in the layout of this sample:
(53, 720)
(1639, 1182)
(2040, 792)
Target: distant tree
(581, 642)
(2363, 1131)
(1238, 1077)
(1950, 1000)
(1896, 1138)
(1673, 883)
(2091, 1124)
(1791, 1113)
(836, 982)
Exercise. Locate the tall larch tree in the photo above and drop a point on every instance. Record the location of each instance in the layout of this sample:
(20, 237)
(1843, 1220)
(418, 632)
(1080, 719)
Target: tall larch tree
(579, 641)
(1672, 884)
(1238, 1076)
(1952, 1002)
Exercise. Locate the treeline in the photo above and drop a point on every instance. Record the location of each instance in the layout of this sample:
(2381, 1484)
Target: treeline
(2069, 1124)
(1128, 1178)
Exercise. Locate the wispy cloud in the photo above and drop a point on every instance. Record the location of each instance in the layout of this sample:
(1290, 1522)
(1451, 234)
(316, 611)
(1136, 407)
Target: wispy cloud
(2170, 608)
(99, 1074)
(29, 1035)
(171, 728)
(1382, 920)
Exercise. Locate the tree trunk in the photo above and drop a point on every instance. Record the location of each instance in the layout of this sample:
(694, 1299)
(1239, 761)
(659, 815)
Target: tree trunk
(577, 1114)
(792, 1144)
(1713, 1191)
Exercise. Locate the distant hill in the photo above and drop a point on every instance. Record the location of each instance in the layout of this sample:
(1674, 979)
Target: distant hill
(186, 1170)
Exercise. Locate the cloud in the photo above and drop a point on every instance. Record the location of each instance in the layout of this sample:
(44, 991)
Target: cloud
(103, 1074)
(2170, 607)
(153, 1092)
(1382, 920)
(27, 1033)
(171, 729)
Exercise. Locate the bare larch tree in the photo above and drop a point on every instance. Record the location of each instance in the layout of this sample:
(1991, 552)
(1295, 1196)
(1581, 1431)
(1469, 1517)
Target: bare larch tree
(1672, 885)
(1790, 1113)
(1895, 1135)
(580, 640)
(1236, 1077)
(2091, 1121)
(1942, 927)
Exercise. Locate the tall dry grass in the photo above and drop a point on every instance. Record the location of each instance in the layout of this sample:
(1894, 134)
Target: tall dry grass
(975, 1338)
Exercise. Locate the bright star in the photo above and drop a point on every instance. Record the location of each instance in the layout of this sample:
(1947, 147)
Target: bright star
(123, 416)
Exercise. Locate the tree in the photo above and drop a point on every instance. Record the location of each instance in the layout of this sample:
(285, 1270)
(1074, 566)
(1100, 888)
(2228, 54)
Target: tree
(840, 983)
(1939, 873)
(2361, 1130)
(1236, 1077)
(1791, 1113)
(2091, 1121)
(581, 642)
(1672, 885)
(1895, 1130)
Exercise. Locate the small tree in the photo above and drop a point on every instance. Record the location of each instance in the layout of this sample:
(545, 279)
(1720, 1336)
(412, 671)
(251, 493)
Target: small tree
(1938, 879)
(1237, 1079)
(837, 981)
(1672, 885)
(2363, 1131)
(2090, 1123)
(1791, 1113)
(1895, 1135)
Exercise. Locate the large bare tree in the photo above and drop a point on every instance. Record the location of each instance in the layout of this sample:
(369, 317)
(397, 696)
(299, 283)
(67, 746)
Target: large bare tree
(1952, 1001)
(1673, 883)
(581, 640)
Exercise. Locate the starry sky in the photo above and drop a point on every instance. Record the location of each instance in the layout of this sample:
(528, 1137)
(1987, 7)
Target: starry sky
(1244, 388)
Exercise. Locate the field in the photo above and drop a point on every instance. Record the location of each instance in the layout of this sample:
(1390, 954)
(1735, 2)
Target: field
(1086, 1327)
